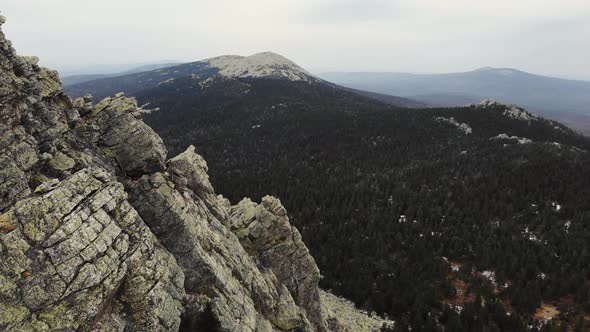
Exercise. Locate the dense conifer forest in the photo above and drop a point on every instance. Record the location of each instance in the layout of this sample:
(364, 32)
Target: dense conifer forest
(406, 215)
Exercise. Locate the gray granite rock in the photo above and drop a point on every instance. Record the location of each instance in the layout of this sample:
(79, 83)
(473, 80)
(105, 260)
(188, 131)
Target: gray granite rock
(78, 250)
(266, 234)
(136, 148)
(242, 297)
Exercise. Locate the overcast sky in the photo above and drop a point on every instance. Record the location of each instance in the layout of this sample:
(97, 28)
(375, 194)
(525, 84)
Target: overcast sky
(541, 36)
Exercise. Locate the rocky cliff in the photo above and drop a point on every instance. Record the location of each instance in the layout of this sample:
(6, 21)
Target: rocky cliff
(99, 231)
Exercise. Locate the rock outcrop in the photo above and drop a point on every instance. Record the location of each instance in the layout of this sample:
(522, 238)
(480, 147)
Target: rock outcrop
(115, 126)
(75, 248)
(463, 127)
(219, 273)
(98, 231)
(343, 316)
(511, 111)
(504, 137)
(266, 234)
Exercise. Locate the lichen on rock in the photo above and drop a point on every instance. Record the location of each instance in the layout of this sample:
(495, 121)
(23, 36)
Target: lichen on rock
(74, 247)
(265, 232)
(241, 296)
(113, 125)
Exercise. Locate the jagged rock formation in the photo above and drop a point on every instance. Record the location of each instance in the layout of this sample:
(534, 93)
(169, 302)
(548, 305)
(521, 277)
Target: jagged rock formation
(215, 264)
(266, 234)
(99, 232)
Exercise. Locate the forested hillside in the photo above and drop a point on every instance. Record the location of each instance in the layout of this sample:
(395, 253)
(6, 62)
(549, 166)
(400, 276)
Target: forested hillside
(471, 218)
(390, 200)
(560, 99)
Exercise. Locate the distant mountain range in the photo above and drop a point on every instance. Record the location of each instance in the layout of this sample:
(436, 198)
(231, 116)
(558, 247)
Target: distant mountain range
(267, 65)
(98, 74)
(564, 100)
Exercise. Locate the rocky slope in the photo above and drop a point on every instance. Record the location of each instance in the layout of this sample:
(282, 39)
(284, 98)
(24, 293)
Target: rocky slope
(266, 66)
(260, 65)
(98, 231)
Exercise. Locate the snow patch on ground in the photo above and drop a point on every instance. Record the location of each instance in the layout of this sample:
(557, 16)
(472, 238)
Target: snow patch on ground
(567, 225)
(531, 236)
(261, 65)
(490, 276)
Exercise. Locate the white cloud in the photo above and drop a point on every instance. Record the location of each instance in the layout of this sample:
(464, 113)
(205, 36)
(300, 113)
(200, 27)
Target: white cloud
(346, 11)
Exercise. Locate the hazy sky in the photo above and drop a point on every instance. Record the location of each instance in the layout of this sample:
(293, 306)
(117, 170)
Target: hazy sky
(541, 36)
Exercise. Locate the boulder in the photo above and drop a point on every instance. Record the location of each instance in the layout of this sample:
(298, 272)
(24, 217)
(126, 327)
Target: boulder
(136, 148)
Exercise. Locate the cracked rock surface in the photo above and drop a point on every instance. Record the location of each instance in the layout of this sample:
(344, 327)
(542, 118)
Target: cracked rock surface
(99, 232)
(266, 234)
(217, 268)
(77, 246)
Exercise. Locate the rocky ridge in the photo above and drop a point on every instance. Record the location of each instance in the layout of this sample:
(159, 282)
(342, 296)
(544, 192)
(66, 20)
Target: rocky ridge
(463, 127)
(99, 231)
(511, 111)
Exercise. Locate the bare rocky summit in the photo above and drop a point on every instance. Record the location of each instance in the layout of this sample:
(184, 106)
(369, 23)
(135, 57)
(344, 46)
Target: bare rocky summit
(265, 65)
(100, 232)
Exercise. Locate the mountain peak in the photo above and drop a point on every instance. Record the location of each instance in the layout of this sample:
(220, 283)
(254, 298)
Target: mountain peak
(260, 65)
